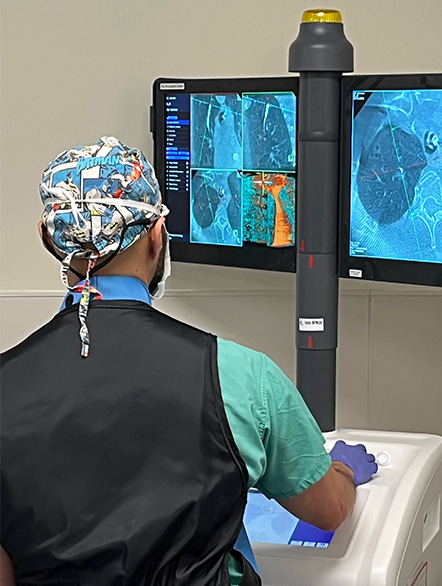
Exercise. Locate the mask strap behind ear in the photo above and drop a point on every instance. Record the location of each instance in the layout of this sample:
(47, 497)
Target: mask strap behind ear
(47, 243)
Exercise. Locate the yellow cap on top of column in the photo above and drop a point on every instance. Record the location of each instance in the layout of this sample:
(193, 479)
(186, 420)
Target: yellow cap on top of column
(321, 15)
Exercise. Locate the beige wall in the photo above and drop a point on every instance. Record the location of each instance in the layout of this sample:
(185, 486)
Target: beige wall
(74, 71)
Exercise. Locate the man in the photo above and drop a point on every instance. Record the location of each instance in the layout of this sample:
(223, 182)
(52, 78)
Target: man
(128, 448)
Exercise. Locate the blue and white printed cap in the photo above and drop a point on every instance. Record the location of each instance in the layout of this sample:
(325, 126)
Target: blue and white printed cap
(91, 193)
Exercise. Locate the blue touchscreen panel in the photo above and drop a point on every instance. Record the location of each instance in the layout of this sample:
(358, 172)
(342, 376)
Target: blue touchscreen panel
(267, 522)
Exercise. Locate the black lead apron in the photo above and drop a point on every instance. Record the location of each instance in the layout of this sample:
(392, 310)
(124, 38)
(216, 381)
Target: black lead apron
(119, 469)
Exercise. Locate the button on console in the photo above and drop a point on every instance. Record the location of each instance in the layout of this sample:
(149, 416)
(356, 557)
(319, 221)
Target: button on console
(383, 459)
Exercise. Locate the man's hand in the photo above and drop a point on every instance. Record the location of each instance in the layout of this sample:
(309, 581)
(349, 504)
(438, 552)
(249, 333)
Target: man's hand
(362, 465)
(328, 503)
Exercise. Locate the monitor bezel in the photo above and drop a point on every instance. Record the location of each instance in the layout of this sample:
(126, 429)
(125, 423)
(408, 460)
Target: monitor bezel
(366, 268)
(250, 255)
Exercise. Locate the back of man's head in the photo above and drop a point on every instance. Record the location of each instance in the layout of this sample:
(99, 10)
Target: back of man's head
(98, 201)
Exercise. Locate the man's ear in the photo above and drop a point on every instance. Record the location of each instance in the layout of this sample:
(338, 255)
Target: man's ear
(44, 237)
(156, 238)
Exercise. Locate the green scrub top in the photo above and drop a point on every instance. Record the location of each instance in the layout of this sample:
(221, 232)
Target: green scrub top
(275, 433)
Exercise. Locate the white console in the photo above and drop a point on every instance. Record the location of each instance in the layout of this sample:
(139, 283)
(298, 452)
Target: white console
(393, 536)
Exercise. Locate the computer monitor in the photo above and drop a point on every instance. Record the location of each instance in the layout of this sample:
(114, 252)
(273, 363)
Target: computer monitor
(225, 158)
(391, 180)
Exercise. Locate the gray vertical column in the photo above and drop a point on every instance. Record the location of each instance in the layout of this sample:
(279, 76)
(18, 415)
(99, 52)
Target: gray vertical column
(320, 53)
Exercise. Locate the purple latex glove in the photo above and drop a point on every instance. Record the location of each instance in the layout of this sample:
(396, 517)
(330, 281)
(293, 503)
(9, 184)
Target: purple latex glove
(362, 465)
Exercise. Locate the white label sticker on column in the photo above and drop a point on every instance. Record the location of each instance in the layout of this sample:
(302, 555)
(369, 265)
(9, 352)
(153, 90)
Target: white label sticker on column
(355, 273)
(311, 324)
(172, 86)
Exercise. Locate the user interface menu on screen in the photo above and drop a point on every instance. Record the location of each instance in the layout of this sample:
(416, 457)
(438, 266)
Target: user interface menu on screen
(228, 164)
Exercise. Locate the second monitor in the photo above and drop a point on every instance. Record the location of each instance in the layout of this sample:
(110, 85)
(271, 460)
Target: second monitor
(391, 204)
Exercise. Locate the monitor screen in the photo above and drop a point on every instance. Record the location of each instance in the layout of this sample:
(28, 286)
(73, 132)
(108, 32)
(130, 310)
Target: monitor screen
(391, 188)
(225, 158)
(266, 521)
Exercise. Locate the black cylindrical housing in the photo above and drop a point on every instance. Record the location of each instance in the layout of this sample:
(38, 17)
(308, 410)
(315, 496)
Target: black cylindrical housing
(320, 54)
(317, 292)
(312, 372)
(318, 162)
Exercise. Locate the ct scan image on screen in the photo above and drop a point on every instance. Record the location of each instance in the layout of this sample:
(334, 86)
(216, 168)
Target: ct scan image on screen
(230, 168)
(266, 521)
(396, 175)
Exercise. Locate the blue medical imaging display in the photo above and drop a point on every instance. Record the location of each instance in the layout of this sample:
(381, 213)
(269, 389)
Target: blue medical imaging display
(396, 200)
(225, 157)
(395, 186)
(267, 522)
